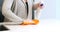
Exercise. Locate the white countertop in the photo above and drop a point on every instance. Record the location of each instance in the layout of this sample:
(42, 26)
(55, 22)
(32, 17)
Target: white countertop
(45, 25)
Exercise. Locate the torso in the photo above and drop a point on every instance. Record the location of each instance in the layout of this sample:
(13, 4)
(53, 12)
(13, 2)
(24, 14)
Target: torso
(21, 10)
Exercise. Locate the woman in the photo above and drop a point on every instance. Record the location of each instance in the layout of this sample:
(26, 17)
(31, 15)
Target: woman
(16, 10)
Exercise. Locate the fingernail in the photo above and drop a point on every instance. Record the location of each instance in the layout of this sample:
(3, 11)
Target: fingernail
(41, 5)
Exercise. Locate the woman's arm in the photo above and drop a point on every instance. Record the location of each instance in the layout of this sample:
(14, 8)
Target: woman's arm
(37, 6)
(6, 11)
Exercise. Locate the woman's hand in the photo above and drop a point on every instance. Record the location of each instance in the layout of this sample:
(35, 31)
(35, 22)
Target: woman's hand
(27, 22)
(38, 5)
(30, 22)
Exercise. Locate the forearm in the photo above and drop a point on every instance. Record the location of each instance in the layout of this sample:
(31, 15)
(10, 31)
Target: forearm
(6, 11)
(37, 7)
(11, 16)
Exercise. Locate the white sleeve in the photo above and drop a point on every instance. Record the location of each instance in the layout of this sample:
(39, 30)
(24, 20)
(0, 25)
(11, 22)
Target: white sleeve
(38, 10)
(6, 11)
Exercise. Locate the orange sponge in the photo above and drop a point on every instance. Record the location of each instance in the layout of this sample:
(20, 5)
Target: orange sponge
(36, 21)
(33, 22)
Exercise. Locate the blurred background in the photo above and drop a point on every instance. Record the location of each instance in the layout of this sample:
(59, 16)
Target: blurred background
(58, 9)
(1, 16)
(49, 11)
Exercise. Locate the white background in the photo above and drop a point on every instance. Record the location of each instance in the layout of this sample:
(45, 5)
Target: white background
(58, 9)
(49, 10)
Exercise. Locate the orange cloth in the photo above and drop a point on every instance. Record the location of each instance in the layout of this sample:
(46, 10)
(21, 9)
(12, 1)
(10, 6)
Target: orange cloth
(33, 22)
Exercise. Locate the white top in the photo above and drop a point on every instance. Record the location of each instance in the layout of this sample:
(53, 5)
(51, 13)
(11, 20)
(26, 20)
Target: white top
(19, 13)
